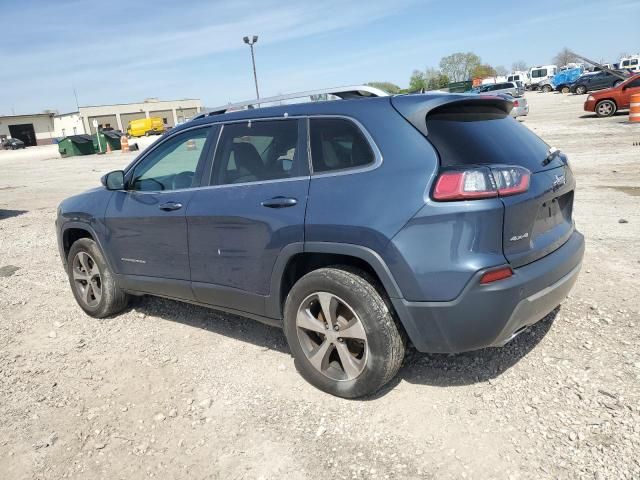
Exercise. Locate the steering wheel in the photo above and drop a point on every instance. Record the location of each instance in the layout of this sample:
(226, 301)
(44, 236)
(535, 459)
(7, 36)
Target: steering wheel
(182, 180)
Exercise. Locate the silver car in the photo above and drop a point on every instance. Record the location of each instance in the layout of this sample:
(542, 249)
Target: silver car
(514, 89)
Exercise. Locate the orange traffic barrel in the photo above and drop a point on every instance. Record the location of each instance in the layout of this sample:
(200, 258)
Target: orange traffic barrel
(124, 143)
(634, 108)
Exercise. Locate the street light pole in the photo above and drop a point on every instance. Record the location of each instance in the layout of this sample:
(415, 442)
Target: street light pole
(251, 41)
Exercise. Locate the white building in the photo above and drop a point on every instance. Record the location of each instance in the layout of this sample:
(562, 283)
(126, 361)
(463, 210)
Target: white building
(66, 124)
(34, 129)
(43, 128)
(172, 112)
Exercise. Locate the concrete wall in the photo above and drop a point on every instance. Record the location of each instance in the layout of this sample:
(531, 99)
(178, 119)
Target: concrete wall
(110, 121)
(68, 124)
(42, 126)
(165, 115)
(126, 110)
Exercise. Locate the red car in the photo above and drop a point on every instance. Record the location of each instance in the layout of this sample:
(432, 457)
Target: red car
(607, 102)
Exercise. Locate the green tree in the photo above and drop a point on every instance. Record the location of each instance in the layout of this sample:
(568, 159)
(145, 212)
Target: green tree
(435, 79)
(484, 71)
(417, 82)
(459, 66)
(388, 87)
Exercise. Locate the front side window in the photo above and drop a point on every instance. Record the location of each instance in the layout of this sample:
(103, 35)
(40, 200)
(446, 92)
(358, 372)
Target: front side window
(338, 144)
(255, 151)
(172, 165)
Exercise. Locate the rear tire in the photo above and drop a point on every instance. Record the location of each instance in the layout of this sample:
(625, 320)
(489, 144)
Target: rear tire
(565, 90)
(92, 282)
(581, 90)
(547, 89)
(606, 108)
(372, 349)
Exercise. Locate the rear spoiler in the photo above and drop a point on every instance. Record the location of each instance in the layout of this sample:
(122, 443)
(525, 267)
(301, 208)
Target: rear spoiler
(415, 108)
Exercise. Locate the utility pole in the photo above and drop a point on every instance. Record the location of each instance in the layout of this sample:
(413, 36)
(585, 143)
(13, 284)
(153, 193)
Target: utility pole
(251, 41)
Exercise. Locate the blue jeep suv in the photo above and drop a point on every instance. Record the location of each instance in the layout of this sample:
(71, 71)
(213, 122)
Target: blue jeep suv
(356, 225)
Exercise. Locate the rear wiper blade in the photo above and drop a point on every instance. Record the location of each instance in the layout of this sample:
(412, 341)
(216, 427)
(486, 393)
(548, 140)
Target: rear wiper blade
(553, 151)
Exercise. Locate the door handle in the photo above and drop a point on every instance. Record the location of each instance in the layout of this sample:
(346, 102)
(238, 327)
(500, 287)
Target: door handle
(279, 202)
(170, 206)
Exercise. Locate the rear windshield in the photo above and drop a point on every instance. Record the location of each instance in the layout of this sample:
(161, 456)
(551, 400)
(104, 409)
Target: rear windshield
(483, 134)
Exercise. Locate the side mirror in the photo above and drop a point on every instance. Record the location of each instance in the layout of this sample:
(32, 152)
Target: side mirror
(113, 180)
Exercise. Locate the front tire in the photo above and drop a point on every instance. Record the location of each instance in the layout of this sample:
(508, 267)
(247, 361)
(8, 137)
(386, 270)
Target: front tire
(92, 282)
(581, 89)
(342, 334)
(606, 108)
(565, 90)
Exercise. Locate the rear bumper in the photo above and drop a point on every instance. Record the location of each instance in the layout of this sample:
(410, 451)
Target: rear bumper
(491, 315)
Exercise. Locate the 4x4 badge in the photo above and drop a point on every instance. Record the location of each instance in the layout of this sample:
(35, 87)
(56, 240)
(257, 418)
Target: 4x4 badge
(559, 180)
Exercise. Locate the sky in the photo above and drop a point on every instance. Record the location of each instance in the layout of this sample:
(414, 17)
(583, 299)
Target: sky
(124, 51)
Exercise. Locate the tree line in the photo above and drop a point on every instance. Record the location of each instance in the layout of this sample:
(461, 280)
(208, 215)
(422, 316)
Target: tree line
(459, 67)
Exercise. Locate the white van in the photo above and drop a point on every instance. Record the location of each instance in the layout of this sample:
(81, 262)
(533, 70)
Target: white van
(541, 73)
(519, 76)
(631, 63)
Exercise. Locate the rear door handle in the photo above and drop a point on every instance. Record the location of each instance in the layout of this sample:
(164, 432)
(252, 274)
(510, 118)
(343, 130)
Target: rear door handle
(279, 202)
(170, 206)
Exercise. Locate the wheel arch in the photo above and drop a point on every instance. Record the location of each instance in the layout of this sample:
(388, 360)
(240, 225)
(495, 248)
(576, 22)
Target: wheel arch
(74, 231)
(299, 259)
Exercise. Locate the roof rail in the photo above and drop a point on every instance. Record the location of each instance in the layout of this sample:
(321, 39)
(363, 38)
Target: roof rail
(354, 91)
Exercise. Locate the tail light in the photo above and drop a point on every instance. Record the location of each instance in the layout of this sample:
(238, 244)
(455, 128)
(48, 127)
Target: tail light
(516, 103)
(476, 183)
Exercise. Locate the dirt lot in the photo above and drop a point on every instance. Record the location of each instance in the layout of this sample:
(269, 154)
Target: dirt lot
(169, 390)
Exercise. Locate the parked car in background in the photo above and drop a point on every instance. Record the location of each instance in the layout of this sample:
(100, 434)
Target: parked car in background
(283, 214)
(145, 127)
(607, 102)
(540, 74)
(514, 89)
(520, 107)
(597, 81)
(12, 144)
(563, 80)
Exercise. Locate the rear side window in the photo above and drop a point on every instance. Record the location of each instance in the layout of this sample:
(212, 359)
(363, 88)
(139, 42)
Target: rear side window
(258, 151)
(338, 144)
(483, 134)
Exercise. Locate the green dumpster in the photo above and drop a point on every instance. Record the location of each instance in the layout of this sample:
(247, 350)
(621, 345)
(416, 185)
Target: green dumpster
(107, 137)
(460, 87)
(76, 145)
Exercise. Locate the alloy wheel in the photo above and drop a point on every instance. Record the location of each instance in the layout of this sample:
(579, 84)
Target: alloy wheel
(605, 109)
(332, 336)
(87, 279)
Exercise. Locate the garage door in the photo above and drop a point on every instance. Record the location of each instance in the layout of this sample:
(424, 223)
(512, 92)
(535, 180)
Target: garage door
(104, 121)
(165, 115)
(125, 118)
(24, 132)
(185, 114)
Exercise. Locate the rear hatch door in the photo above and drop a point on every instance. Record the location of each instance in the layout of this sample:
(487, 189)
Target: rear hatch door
(480, 132)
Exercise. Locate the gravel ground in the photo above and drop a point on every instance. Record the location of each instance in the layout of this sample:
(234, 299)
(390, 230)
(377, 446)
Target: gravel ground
(175, 391)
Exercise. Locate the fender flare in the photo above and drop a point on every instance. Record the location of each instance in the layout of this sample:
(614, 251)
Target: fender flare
(372, 258)
(94, 235)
